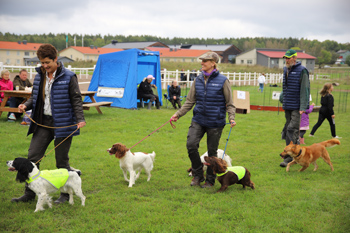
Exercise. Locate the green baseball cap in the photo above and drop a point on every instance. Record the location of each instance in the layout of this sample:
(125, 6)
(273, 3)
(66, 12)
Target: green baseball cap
(290, 53)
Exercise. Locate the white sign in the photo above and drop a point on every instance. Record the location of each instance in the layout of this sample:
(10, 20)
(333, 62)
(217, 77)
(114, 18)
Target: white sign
(241, 95)
(110, 92)
(276, 95)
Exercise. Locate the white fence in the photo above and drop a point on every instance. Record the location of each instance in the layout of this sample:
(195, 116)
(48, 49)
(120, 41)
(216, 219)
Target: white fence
(84, 74)
(236, 79)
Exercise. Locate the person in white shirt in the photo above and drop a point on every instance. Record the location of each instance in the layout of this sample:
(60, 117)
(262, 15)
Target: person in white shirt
(261, 81)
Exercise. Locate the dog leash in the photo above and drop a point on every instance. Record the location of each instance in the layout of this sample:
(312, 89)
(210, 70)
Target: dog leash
(45, 126)
(227, 141)
(172, 125)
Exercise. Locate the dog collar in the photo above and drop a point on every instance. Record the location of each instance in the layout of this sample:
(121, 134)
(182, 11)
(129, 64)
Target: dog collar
(301, 150)
(31, 179)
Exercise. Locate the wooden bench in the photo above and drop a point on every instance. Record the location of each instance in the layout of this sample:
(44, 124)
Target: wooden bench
(97, 105)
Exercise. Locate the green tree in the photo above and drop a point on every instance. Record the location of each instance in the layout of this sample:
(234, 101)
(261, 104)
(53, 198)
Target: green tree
(347, 60)
(324, 58)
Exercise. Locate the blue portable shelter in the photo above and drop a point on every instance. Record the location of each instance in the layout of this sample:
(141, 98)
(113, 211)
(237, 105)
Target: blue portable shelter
(117, 75)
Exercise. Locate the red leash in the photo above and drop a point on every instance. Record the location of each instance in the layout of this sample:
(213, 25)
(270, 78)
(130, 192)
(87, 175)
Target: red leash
(172, 125)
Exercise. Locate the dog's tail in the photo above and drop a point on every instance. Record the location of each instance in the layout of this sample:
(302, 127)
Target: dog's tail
(75, 170)
(330, 143)
(153, 155)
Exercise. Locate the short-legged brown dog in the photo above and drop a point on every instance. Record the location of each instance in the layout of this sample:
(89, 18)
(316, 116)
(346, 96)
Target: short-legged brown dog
(304, 155)
(227, 176)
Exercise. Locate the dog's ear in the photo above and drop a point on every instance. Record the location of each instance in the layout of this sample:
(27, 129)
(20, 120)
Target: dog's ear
(120, 150)
(24, 167)
(291, 143)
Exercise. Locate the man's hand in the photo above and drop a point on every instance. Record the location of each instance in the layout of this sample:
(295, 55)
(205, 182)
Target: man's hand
(233, 123)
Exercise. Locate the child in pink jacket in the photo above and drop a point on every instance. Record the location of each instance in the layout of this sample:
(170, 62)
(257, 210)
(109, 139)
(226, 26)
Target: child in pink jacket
(304, 123)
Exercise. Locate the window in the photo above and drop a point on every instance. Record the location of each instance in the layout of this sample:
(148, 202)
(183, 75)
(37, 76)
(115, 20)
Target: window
(272, 62)
(17, 53)
(242, 61)
(250, 62)
(18, 61)
(8, 53)
(26, 53)
(184, 60)
(193, 60)
(8, 61)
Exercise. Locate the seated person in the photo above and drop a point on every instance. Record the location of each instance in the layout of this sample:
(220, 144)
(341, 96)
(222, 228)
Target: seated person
(6, 85)
(174, 94)
(22, 82)
(145, 92)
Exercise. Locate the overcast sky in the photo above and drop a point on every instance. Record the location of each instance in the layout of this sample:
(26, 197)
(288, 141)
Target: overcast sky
(309, 19)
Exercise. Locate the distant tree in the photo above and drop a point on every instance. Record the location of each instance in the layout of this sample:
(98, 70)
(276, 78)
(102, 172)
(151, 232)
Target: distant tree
(347, 60)
(324, 58)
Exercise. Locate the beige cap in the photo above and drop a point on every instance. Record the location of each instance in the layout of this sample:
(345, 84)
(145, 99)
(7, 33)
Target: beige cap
(210, 56)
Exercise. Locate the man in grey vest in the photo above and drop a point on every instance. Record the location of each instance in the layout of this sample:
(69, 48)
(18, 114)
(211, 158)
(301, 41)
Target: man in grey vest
(296, 92)
(55, 101)
(212, 95)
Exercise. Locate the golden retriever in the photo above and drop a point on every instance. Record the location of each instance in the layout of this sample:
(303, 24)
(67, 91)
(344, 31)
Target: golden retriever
(304, 155)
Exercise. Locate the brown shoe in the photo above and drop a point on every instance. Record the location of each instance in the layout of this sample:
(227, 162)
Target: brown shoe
(207, 185)
(196, 181)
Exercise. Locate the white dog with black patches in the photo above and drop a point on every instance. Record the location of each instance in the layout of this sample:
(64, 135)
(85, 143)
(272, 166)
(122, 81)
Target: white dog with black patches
(46, 182)
(132, 162)
(220, 152)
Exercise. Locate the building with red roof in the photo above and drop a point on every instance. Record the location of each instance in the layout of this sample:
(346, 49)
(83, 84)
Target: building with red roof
(178, 55)
(86, 53)
(273, 58)
(16, 53)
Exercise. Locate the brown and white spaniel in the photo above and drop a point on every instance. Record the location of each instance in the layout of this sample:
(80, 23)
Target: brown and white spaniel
(229, 175)
(132, 162)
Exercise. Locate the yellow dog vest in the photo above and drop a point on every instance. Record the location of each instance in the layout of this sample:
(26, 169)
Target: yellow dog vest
(238, 170)
(57, 177)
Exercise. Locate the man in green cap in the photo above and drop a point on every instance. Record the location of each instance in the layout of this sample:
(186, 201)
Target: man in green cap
(296, 91)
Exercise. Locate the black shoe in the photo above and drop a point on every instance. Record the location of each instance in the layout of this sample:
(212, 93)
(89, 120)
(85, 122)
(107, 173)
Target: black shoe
(196, 181)
(62, 199)
(28, 196)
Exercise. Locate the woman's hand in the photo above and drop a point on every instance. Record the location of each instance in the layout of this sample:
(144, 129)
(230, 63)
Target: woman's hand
(233, 123)
(21, 108)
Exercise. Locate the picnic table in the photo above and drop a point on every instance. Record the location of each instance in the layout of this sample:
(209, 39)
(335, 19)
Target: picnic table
(7, 94)
(26, 95)
(86, 105)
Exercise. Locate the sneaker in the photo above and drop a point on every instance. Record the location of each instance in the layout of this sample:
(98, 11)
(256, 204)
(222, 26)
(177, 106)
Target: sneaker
(196, 181)
(337, 137)
(310, 135)
(207, 185)
(12, 117)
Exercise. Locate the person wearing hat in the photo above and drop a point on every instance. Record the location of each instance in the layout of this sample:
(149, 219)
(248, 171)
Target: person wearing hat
(212, 96)
(296, 92)
(145, 91)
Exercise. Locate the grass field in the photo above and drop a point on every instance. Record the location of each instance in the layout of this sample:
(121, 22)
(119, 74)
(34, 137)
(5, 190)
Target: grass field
(282, 202)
